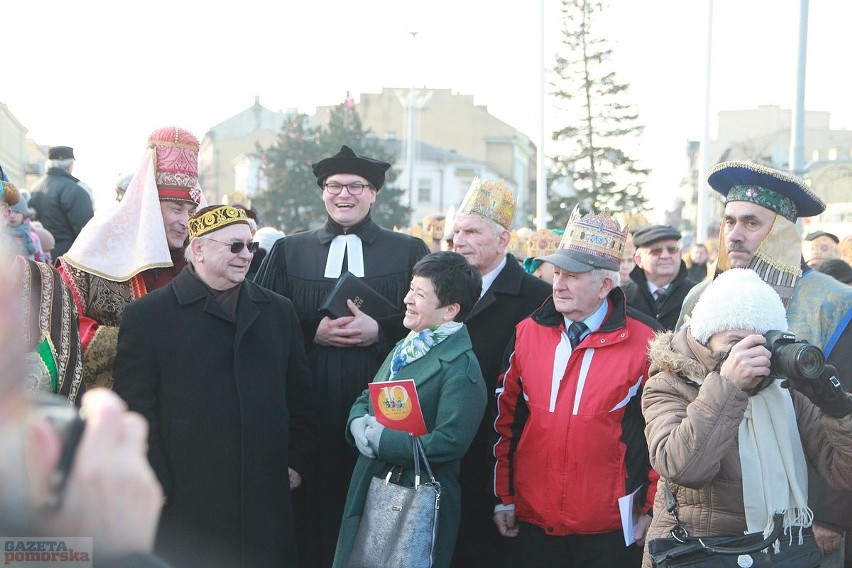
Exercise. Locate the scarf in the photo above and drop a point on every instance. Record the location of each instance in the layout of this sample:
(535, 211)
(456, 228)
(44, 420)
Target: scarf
(774, 470)
(418, 343)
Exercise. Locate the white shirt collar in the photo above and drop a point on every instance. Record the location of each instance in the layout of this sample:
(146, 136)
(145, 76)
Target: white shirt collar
(488, 279)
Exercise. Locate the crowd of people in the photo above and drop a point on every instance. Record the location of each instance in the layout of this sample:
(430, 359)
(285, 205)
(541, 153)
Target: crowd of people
(228, 420)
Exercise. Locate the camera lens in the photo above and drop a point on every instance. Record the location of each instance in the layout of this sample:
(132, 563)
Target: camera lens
(798, 360)
(810, 362)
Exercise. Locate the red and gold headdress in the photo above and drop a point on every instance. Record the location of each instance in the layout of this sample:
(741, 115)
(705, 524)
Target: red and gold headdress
(176, 164)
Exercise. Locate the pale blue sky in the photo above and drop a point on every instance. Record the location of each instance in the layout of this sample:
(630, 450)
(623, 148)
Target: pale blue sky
(102, 78)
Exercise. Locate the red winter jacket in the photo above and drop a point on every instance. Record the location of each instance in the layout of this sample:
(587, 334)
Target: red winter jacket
(570, 445)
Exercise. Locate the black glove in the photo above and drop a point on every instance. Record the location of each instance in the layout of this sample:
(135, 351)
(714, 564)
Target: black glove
(826, 392)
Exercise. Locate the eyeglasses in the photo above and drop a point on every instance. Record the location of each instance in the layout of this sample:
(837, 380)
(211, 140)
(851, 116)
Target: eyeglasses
(353, 188)
(657, 251)
(238, 246)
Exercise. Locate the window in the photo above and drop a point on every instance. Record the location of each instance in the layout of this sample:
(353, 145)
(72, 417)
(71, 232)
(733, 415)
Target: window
(424, 190)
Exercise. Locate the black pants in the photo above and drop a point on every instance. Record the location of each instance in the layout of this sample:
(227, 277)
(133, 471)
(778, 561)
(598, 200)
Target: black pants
(534, 547)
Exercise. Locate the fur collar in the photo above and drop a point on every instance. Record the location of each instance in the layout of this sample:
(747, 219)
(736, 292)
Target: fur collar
(678, 353)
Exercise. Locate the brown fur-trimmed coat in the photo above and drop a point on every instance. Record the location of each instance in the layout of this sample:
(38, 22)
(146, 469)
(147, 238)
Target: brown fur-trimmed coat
(692, 417)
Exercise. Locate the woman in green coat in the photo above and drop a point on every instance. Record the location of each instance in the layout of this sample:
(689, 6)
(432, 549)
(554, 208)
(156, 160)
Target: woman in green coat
(438, 355)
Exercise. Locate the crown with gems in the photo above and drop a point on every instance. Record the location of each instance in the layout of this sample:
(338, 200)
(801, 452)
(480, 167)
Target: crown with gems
(542, 243)
(491, 200)
(598, 236)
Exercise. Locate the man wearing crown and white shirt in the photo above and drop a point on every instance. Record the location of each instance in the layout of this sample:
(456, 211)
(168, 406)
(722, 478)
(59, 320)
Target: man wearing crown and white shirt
(346, 352)
(759, 232)
(481, 233)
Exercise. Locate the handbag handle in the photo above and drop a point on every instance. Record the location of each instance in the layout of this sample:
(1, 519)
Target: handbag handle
(420, 453)
(679, 533)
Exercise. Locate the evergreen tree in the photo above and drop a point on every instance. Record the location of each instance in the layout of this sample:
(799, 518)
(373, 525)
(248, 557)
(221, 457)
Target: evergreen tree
(292, 200)
(600, 123)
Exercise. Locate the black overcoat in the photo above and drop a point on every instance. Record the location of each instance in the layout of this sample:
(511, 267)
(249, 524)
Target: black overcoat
(640, 298)
(512, 296)
(295, 267)
(230, 407)
(62, 206)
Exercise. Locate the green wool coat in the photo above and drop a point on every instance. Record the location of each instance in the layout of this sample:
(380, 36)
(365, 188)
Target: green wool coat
(453, 398)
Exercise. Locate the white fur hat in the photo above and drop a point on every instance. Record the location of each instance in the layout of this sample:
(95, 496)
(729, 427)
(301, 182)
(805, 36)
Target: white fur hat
(737, 299)
(268, 236)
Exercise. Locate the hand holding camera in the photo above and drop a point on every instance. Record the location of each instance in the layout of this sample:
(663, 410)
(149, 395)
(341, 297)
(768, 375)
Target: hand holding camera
(96, 480)
(826, 392)
(803, 365)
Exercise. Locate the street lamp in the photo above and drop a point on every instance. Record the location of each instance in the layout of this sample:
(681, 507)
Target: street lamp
(412, 97)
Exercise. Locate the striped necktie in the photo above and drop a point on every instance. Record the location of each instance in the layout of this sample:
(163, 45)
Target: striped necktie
(575, 333)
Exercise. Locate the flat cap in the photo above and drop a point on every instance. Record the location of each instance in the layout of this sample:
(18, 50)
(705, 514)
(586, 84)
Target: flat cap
(654, 233)
(60, 153)
(818, 234)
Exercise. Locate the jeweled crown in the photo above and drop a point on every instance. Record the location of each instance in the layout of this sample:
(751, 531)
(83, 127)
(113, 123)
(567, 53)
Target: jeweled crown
(597, 235)
(491, 200)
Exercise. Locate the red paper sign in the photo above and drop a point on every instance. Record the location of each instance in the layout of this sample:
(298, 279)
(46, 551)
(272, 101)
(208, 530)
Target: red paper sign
(397, 406)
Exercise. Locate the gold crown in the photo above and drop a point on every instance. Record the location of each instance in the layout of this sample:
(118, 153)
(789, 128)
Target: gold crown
(10, 193)
(542, 243)
(596, 239)
(518, 242)
(209, 220)
(433, 226)
(491, 200)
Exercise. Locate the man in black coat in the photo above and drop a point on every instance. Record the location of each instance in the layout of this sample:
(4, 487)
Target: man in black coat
(217, 366)
(509, 294)
(659, 283)
(345, 352)
(61, 204)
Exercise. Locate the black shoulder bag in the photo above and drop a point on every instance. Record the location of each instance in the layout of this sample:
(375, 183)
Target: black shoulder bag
(745, 551)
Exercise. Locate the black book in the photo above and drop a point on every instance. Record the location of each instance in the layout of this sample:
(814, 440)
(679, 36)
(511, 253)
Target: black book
(350, 287)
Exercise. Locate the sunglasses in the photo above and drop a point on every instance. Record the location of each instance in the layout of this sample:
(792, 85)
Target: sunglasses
(657, 251)
(238, 246)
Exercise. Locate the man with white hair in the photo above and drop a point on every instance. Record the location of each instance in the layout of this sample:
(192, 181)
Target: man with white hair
(759, 232)
(570, 432)
(62, 205)
(481, 233)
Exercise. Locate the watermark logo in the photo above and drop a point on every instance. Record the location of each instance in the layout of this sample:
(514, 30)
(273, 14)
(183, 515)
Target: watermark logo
(47, 552)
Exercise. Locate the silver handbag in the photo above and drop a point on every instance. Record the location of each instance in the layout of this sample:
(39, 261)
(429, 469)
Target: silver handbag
(399, 524)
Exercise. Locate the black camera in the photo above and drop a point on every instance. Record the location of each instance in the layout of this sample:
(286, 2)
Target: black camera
(793, 358)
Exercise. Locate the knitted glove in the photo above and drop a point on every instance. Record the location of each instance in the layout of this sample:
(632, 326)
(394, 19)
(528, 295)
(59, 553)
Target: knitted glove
(374, 433)
(358, 428)
(826, 392)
